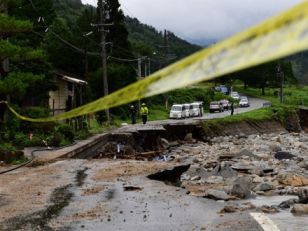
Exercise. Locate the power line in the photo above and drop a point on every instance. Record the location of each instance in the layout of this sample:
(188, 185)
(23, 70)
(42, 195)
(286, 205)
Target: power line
(122, 60)
(128, 10)
(83, 51)
(73, 46)
(59, 37)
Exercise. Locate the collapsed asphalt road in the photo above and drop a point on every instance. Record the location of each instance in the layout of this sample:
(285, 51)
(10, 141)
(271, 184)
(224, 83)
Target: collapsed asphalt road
(118, 194)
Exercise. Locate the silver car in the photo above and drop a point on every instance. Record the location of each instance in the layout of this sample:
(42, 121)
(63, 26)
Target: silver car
(225, 104)
(216, 106)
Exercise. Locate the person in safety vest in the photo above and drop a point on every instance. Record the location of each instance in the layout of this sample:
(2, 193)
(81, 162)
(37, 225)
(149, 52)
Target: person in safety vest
(144, 111)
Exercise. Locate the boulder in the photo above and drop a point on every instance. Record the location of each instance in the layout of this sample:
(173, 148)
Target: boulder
(264, 186)
(224, 169)
(195, 178)
(268, 209)
(188, 137)
(287, 204)
(303, 164)
(300, 209)
(217, 194)
(274, 148)
(247, 153)
(214, 180)
(303, 195)
(229, 209)
(284, 156)
(164, 143)
(293, 180)
(242, 187)
(303, 139)
(257, 179)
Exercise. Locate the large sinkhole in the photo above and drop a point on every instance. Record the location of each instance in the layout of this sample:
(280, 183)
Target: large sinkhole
(170, 177)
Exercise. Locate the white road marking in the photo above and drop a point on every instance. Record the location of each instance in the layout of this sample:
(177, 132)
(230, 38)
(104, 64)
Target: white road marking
(266, 223)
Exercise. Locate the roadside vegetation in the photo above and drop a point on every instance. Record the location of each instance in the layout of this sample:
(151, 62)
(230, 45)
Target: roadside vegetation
(279, 113)
(293, 95)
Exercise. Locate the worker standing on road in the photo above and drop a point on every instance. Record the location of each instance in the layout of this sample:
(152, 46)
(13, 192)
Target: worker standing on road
(144, 111)
(133, 113)
(232, 108)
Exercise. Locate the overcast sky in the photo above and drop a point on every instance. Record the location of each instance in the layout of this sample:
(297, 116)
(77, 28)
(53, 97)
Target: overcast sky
(202, 20)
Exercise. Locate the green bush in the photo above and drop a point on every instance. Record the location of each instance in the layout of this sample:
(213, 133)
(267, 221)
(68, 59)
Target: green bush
(66, 131)
(9, 154)
(82, 134)
(22, 140)
(36, 112)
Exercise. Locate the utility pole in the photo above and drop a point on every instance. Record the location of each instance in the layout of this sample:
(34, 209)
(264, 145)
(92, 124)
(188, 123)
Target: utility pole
(166, 46)
(101, 27)
(280, 75)
(139, 77)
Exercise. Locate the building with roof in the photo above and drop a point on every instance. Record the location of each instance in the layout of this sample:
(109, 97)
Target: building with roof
(68, 94)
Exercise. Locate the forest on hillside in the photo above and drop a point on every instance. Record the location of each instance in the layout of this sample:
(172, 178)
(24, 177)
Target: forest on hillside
(53, 46)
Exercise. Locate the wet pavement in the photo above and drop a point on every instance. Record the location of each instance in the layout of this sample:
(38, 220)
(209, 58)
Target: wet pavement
(160, 207)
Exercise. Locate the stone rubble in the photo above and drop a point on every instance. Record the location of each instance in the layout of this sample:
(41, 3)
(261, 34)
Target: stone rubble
(241, 167)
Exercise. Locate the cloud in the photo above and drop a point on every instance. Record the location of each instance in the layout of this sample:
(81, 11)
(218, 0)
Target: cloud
(198, 20)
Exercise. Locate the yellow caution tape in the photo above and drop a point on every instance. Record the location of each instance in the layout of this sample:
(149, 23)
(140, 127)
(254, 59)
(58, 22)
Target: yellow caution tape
(277, 37)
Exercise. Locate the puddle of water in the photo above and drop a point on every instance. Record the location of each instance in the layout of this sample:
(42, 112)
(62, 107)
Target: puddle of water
(170, 177)
(81, 176)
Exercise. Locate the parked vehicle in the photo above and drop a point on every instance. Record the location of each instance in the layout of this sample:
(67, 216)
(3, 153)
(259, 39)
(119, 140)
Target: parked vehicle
(244, 102)
(222, 89)
(225, 104)
(235, 95)
(216, 106)
(177, 111)
(187, 110)
(196, 109)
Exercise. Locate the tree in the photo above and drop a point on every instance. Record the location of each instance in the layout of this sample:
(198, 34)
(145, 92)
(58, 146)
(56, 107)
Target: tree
(23, 71)
(118, 33)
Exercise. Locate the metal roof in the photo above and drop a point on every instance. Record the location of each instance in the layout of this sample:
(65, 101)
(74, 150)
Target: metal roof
(73, 80)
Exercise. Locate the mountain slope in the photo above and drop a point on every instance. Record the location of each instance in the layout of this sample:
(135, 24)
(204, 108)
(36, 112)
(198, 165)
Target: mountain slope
(147, 40)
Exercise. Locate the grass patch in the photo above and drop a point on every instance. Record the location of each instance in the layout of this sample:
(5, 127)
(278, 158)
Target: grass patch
(278, 113)
(293, 95)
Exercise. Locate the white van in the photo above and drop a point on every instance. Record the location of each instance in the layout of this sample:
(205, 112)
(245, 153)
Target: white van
(196, 109)
(177, 111)
(187, 110)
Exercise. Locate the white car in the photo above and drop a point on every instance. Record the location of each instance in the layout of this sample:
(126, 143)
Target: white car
(177, 111)
(235, 95)
(244, 102)
(187, 110)
(196, 109)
